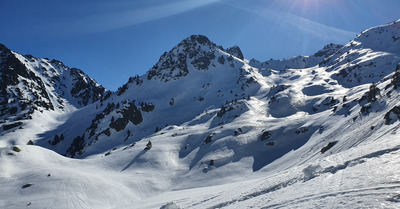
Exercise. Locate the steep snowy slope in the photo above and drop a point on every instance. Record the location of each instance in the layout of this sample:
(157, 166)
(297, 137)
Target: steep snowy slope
(34, 88)
(225, 133)
(192, 78)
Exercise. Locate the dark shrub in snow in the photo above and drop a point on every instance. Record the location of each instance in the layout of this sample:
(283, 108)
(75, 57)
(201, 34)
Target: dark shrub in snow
(327, 147)
(301, 130)
(26, 186)
(373, 93)
(266, 135)
(149, 145)
(208, 139)
(77, 146)
(16, 149)
(211, 162)
(270, 143)
(12, 125)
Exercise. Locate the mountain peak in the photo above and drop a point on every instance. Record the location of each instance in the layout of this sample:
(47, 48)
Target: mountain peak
(201, 39)
(194, 41)
(235, 51)
(196, 50)
(4, 51)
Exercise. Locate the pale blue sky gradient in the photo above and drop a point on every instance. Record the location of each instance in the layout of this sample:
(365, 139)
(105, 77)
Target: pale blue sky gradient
(112, 40)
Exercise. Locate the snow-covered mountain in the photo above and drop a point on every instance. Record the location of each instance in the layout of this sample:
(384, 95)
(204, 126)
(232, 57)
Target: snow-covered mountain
(298, 62)
(33, 88)
(207, 128)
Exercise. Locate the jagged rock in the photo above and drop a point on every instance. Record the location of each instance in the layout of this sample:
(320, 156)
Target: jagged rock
(396, 77)
(328, 50)
(130, 113)
(16, 149)
(11, 125)
(235, 51)
(197, 50)
(301, 130)
(266, 135)
(208, 139)
(149, 145)
(85, 88)
(373, 93)
(77, 146)
(147, 107)
(327, 147)
(395, 111)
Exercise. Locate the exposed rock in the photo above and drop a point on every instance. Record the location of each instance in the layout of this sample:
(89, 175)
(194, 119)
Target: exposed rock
(266, 135)
(129, 113)
(395, 111)
(235, 51)
(327, 147)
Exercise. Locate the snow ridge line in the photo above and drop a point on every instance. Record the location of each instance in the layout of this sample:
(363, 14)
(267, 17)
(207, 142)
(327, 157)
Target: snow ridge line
(359, 160)
(342, 193)
(330, 169)
(258, 193)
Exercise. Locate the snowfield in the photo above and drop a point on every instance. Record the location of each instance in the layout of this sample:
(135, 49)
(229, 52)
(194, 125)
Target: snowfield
(317, 131)
(362, 177)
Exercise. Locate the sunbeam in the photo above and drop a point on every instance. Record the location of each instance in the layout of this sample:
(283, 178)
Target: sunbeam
(138, 16)
(310, 27)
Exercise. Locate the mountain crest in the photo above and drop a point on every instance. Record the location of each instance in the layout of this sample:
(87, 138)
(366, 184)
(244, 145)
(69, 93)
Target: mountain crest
(195, 52)
(235, 51)
(384, 38)
(200, 39)
(29, 84)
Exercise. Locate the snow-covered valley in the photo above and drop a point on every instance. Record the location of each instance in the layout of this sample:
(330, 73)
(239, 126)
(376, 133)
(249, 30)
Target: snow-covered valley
(317, 131)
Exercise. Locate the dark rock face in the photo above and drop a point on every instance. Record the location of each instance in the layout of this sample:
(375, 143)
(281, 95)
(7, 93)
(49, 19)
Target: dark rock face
(235, 51)
(203, 60)
(12, 125)
(169, 67)
(130, 113)
(373, 93)
(12, 72)
(396, 77)
(196, 50)
(147, 107)
(84, 88)
(208, 139)
(266, 135)
(327, 147)
(394, 111)
(26, 88)
(328, 50)
(77, 146)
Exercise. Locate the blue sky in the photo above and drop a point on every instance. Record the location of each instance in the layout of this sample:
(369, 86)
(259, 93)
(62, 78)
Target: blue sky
(112, 40)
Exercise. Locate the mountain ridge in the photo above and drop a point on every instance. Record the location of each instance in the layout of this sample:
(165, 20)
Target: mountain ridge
(219, 123)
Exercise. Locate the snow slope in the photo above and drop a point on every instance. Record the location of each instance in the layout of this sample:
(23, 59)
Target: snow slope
(225, 132)
(37, 93)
